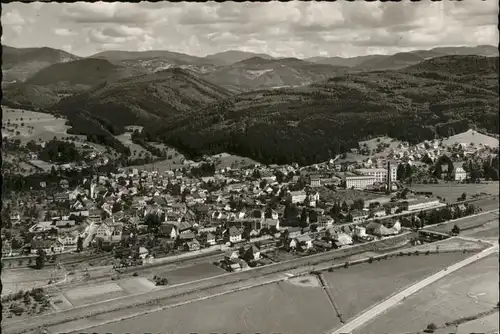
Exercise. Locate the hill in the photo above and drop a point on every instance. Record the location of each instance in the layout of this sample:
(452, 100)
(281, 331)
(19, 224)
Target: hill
(403, 59)
(234, 56)
(396, 61)
(24, 96)
(313, 123)
(56, 81)
(259, 73)
(174, 57)
(340, 61)
(20, 63)
(138, 100)
(88, 72)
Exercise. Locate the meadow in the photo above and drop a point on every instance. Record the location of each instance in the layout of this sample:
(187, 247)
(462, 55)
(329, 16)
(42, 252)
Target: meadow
(466, 292)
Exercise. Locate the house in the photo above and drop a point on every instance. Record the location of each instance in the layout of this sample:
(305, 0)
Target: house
(49, 246)
(323, 245)
(378, 230)
(304, 242)
(143, 252)
(234, 234)
(358, 216)
(269, 223)
(231, 255)
(186, 236)
(110, 231)
(65, 223)
(168, 231)
(360, 231)
(325, 222)
(293, 232)
(68, 239)
(297, 196)
(314, 181)
(379, 212)
(192, 245)
(210, 239)
(459, 174)
(252, 253)
(343, 239)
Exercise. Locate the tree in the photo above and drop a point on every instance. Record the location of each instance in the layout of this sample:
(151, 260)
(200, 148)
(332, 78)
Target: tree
(401, 172)
(463, 197)
(79, 244)
(438, 171)
(40, 259)
(358, 204)
(455, 230)
(345, 206)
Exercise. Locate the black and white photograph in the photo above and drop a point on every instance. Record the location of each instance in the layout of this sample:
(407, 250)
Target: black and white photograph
(279, 167)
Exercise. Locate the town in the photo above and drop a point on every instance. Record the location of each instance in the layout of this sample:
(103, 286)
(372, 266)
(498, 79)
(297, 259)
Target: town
(145, 215)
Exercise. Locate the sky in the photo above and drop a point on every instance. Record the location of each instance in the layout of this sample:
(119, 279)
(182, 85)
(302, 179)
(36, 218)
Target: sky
(280, 29)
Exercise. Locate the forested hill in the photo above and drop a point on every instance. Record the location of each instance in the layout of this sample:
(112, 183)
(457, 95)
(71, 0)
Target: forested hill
(311, 124)
(139, 100)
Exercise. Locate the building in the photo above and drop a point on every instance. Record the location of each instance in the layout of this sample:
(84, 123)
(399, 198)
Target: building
(297, 196)
(315, 181)
(422, 204)
(380, 174)
(459, 174)
(234, 234)
(110, 231)
(358, 181)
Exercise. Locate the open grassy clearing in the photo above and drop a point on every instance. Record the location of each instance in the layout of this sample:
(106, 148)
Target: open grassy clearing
(466, 223)
(469, 137)
(488, 324)
(452, 191)
(224, 160)
(489, 231)
(14, 280)
(373, 143)
(468, 291)
(162, 165)
(280, 308)
(191, 273)
(361, 286)
(136, 151)
(452, 244)
(93, 294)
(45, 126)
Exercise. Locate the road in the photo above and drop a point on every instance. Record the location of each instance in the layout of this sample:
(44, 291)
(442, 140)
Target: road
(394, 300)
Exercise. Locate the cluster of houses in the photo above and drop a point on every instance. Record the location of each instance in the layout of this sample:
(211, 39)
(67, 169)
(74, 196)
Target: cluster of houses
(236, 207)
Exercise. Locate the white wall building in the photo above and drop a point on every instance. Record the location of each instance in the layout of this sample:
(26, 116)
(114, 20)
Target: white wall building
(359, 181)
(459, 174)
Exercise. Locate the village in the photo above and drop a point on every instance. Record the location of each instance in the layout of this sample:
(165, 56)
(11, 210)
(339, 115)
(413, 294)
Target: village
(140, 216)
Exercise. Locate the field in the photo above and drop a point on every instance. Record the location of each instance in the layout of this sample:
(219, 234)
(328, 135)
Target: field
(45, 126)
(452, 191)
(356, 288)
(466, 223)
(135, 150)
(374, 142)
(488, 231)
(24, 279)
(284, 307)
(466, 292)
(224, 160)
(471, 137)
(93, 294)
(191, 273)
(453, 244)
(488, 324)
